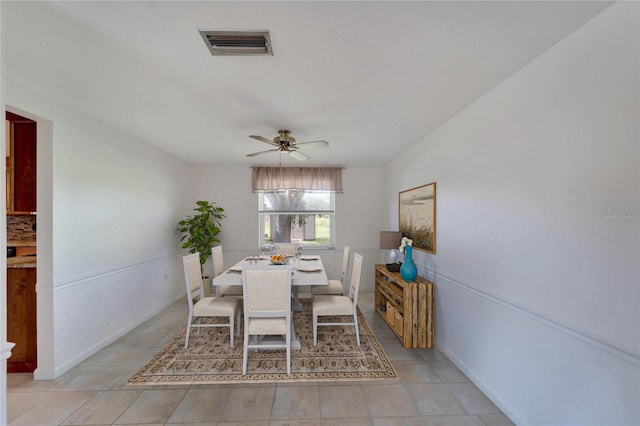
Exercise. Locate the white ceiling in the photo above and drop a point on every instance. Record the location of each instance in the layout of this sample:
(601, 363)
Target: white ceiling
(372, 78)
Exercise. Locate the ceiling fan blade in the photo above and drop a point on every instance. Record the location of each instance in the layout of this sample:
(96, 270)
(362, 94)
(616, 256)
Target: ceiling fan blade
(298, 155)
(255, 154)
(263, 139)
(314, 144)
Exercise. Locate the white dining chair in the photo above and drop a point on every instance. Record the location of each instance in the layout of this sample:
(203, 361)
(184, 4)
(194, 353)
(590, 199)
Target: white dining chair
(206, 307)
(335, 305)
(218, 268)
(267, 310)
(335, 286)
(287, 248)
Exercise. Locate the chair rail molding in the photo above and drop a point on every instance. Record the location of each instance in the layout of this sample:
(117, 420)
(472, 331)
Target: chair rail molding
(585, 336)
(70, 282)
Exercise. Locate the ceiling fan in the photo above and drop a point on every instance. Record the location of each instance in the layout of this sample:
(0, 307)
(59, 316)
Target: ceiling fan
(286, 143)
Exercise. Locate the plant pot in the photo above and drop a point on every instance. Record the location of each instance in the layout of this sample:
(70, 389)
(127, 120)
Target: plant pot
(206, 285)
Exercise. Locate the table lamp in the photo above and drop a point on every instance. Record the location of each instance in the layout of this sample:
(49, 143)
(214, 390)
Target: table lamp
(390, 240)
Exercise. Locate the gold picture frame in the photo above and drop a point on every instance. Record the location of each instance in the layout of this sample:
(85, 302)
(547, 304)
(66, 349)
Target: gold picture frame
(417, 216)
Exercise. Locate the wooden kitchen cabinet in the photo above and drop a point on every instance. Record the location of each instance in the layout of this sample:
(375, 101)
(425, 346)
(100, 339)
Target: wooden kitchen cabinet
(21, 164)
(21, 319)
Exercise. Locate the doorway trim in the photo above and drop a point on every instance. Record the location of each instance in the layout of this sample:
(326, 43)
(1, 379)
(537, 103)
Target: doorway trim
(44, 242)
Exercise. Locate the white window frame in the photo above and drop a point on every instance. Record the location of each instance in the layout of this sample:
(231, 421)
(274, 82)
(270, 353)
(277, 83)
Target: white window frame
(331, 213)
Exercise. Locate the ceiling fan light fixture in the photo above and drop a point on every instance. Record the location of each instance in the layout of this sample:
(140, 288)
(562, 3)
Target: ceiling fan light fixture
(237, 43)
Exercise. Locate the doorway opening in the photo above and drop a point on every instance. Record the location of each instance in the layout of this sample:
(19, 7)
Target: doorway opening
(21, 190)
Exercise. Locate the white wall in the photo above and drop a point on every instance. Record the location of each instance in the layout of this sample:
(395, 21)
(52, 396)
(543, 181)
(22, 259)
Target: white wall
(108, 220)
(358, 214)
(537, 283)
(5, 347)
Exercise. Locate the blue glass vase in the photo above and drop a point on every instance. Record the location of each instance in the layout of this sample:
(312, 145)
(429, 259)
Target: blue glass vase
(408, 270)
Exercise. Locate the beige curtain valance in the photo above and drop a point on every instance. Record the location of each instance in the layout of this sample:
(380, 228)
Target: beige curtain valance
(301, 178)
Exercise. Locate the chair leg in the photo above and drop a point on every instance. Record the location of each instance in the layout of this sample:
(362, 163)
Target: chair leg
(355, 328)
(231, 318)
(288, 338)
(315, 330)
(245, 351)
(186, 339)
(238, 319)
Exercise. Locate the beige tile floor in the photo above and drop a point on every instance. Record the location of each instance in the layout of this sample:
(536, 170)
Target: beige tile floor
(430, 390)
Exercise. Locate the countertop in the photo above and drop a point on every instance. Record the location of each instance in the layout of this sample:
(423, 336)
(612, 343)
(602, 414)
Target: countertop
(21, 243)
(22, 262)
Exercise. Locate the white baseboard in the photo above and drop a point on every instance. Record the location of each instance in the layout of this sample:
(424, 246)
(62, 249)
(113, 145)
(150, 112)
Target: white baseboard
(63, 368)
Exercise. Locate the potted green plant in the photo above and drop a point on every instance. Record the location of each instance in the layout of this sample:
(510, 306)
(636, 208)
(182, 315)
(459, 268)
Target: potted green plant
(199, 231)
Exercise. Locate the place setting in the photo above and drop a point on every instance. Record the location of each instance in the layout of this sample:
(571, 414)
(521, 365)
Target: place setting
(308, 270)
(309, 258)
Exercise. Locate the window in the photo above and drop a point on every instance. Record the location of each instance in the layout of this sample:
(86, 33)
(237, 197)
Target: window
(305, 217)
(297, 204)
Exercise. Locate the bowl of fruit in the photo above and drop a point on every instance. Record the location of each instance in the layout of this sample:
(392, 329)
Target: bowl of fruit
(279, 259)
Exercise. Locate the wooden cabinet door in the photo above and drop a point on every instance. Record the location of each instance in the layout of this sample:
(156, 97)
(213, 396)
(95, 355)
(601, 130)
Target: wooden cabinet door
(24, 166)
(21, 319)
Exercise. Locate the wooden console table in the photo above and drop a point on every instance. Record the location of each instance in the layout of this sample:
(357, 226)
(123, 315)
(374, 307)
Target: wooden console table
(406, 307)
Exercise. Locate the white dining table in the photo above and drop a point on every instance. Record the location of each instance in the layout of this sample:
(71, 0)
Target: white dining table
(307, 271)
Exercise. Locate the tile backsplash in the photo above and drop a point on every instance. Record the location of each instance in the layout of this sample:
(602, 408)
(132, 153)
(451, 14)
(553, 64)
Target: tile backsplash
(20, 228)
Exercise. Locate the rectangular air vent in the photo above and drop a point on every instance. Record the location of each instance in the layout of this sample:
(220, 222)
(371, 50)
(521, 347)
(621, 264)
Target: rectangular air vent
(237, 42)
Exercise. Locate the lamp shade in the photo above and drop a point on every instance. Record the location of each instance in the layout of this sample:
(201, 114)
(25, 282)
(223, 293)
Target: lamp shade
(390, 240)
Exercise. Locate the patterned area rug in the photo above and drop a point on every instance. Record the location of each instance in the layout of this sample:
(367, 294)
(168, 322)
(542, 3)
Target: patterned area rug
(210, 360)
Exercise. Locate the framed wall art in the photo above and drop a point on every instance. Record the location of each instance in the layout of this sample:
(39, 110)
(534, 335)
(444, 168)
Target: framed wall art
(417, 216)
